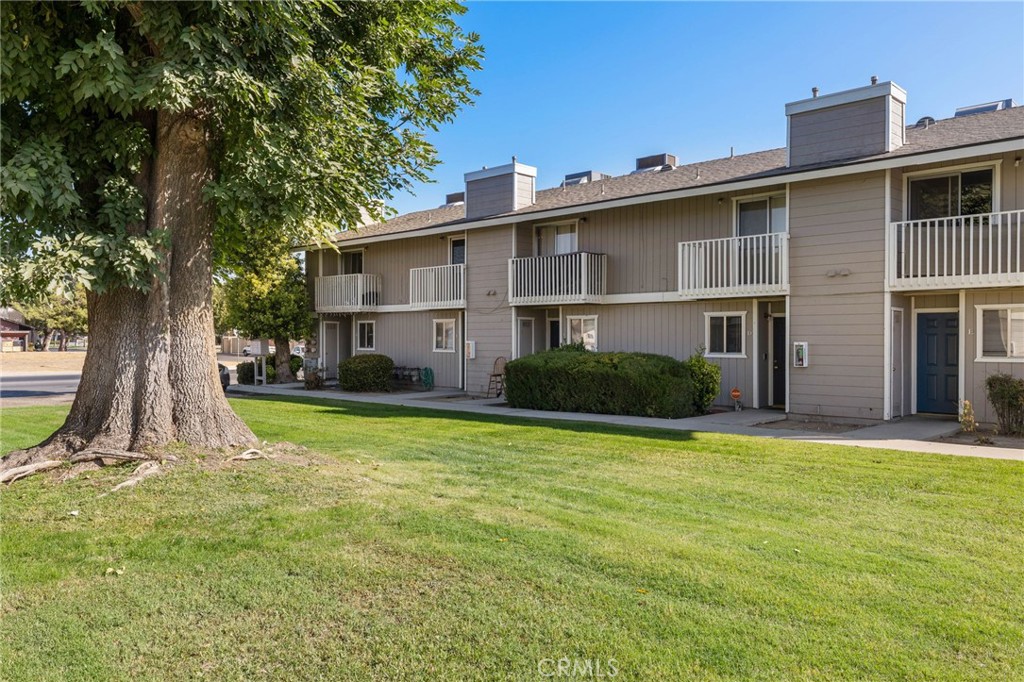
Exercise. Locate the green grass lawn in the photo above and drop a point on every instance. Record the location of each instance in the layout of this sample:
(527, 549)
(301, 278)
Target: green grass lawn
(409, 544)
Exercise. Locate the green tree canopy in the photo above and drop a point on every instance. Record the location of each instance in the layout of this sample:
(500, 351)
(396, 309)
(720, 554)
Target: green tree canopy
(143, 144)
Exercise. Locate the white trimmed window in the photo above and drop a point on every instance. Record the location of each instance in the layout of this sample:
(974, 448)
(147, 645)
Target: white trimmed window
(1000, 333)
(555, 239)
(583, 329)
(725, 334)
(761, 215)
(444, 336)
(366, 335)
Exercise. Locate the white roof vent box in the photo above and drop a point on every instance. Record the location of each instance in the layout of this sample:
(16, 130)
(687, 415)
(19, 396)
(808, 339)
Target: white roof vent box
(998, 105)
(583, 177)
(655, 162)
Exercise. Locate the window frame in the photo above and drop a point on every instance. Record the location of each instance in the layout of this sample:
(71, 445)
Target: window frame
(979, 330)
(451, 246)
(995, 165)
(582, 319)
(766, 197)
(742, 314)
(372, 324)
(574, 224)
(455, 335)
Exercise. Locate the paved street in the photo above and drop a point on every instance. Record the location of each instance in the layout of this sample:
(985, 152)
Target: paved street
(38, 389)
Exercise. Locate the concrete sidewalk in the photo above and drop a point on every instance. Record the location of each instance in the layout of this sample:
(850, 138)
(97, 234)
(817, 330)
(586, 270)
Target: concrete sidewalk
(913, 434)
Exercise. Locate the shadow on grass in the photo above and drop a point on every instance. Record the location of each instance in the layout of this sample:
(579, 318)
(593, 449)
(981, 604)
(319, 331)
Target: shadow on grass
(379, 411)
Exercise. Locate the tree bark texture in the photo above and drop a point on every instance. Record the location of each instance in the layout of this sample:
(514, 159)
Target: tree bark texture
(150, 375)
(47, 338)
(283, 361)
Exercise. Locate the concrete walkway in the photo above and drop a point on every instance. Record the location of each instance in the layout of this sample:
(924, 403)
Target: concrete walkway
(913, 434)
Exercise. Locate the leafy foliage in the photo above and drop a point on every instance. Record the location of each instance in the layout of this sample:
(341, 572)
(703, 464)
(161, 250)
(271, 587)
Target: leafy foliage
(707, 381)
(640, 384)
(58, 312)
(369, 372)
(1006, 394)
(315, 109)
(271, 303)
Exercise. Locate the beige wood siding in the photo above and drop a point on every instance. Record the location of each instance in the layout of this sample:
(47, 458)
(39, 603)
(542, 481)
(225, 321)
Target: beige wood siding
(976, 372)
(837, 226)
(524, 190)
(524, 241)
(842, 132)
(642, 242)
(490, 196)
(408, 339)
(896, 124)
(674, 329)
(312, 272)
(488, 316)
(392, 260)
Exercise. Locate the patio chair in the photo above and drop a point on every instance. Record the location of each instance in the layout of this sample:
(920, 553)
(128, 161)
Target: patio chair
(497, 380)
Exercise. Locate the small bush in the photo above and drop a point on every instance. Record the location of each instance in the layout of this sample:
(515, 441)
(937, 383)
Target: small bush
(707, 381)
(246, 373)
(371, 372)
(639, 384)
(1006, 394)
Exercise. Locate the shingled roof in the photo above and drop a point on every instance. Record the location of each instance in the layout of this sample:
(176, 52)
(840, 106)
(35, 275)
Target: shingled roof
(950, 133)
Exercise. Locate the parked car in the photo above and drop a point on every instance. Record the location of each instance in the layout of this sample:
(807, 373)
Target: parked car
(247, 351)
(225, 376)
(299, 350)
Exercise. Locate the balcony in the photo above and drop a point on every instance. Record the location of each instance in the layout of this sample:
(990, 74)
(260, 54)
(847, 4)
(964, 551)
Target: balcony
(984, 250)
(347, 293)
(556, 280)
(735, 266)
(438, 287)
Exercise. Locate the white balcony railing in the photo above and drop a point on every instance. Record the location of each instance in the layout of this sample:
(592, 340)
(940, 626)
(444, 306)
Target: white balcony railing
(960, 251)
(552, 280)
(441, 286)
(347, 293)
(734, 266)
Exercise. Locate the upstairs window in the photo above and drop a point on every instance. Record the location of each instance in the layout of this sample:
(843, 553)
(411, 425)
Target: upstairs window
(766, 215)
(458, 251)
(351, 262)
(943, 196)
(556, 239)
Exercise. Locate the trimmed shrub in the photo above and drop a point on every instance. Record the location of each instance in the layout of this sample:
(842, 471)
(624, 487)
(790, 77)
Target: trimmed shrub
(707, 381)
(371, 372)
(246, 372)
(639, 384)
(1006, 395)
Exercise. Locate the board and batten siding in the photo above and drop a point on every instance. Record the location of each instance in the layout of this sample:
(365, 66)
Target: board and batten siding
(975, 372)
(846, 131)
(488, 315)
(642, 241)
(393, 260)
(408, 339)
(491, 196)
(677, 330)
(837, 266)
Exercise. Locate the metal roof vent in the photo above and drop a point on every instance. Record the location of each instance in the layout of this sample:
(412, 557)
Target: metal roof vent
(455, 198)
(998, 105)
(656, 162)
(924, 122)
(583, 177)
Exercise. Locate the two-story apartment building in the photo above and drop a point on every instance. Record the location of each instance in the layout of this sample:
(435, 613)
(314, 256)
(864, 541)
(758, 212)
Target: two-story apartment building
(870, 269)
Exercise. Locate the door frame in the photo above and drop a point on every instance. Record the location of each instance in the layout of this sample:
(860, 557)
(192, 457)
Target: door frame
(903, 355)
(915, 312)
(533, 345)
(771, 359)
(323, 343)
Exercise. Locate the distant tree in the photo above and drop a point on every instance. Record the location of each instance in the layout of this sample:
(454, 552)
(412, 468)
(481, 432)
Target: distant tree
(145, 143)
(271, 304)
(221, 323)
(58, 312)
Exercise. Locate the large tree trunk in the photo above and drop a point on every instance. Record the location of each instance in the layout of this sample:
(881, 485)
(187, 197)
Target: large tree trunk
(63, 347)
(283, 361)
(150, 375)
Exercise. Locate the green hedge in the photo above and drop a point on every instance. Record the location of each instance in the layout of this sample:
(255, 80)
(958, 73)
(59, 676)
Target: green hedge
(639, 384)
(1007, 397)
(370, 372)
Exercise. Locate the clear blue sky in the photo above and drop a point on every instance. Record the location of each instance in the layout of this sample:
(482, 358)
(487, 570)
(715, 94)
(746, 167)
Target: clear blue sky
(572, 86)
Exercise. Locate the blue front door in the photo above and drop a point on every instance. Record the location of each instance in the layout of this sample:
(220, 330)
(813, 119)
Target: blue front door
(938, 372)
